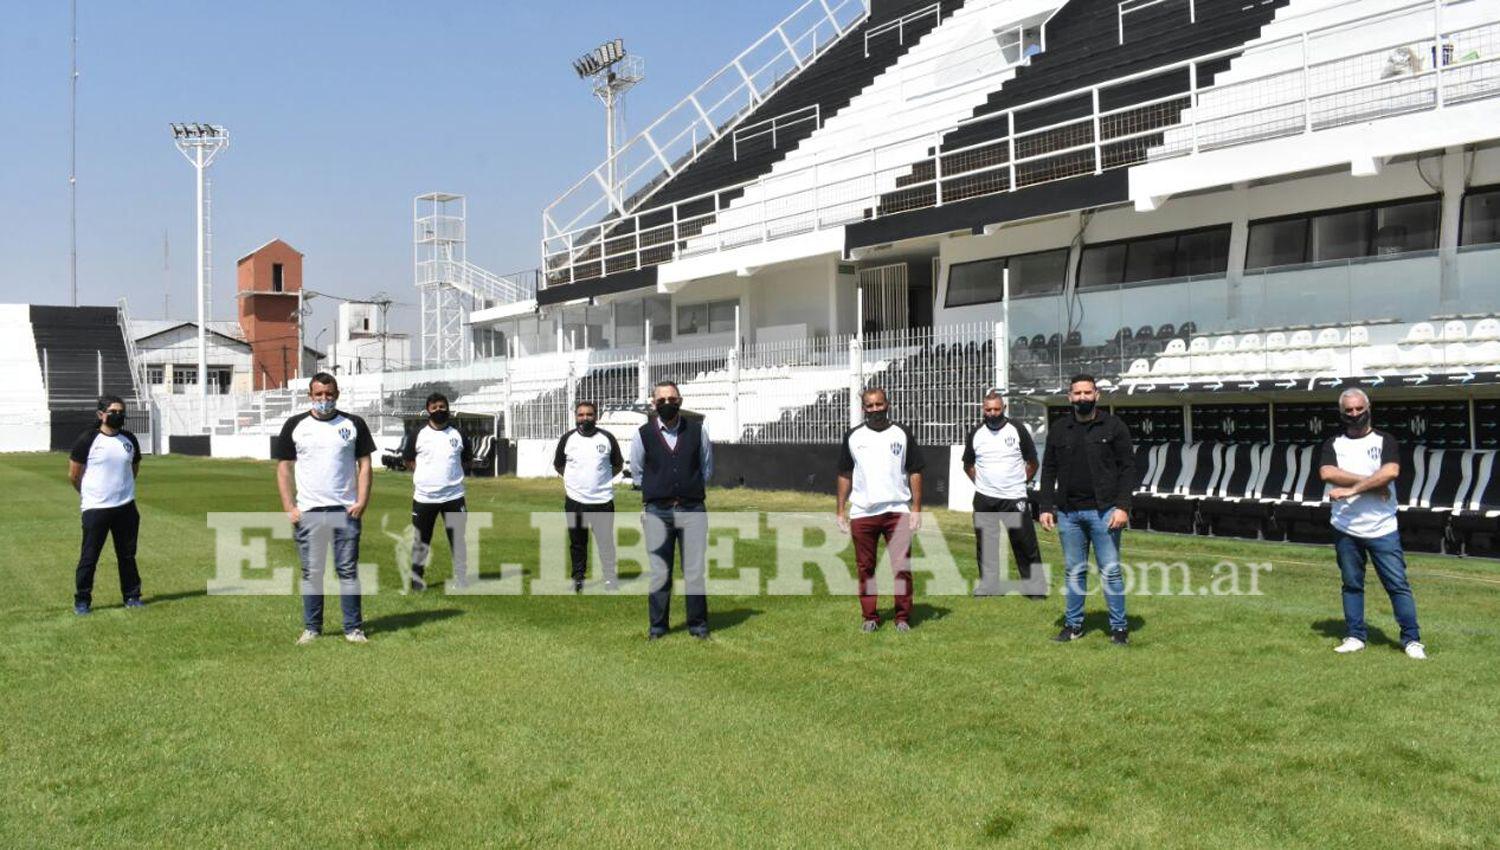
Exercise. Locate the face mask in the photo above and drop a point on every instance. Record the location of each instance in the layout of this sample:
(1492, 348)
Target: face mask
(586, 426)
(877, 418)
(438, 417)
(1357, 423)
(994, 422)
(667, 410)
(323, 407)
(1084, 408)
(114, 420)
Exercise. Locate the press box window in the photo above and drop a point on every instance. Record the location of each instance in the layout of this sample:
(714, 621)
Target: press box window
(1041, 273)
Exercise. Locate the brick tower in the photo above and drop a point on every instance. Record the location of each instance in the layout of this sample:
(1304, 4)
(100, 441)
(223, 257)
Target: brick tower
(269, 289)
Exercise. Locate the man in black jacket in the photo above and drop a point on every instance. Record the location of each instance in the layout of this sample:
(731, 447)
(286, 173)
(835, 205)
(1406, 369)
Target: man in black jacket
(1088, 473)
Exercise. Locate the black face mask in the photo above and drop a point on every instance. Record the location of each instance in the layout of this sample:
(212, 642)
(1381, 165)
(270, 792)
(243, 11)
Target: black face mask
(877, 418)
(439, 417)
(586, 426)
(1355, 423)
(1084, 408)
(667, 410)
(114, 420)
(994, 421)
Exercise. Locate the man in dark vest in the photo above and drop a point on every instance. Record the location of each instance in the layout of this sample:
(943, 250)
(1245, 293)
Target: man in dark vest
(672, 459)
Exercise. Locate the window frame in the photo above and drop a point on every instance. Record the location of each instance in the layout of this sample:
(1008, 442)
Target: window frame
(1463, 213)
(1004, 262)
(1176, 235)
(705, 327)
(1307, 220)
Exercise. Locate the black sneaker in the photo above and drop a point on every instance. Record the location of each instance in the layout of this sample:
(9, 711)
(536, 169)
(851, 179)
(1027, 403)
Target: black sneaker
(1119, 637)
(417, 584)
(1068, 634)
(653, 635)
(577, 585)
(702, 635)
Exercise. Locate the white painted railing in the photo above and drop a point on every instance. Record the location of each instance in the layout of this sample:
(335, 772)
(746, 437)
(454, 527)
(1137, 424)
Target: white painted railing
(812, 114)
(687, 129)
(898, 26)
(1322, 91)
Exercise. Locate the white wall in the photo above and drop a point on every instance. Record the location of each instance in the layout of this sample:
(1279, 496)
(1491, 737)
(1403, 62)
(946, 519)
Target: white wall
(250, 446)
(534, 458)
(25, 423)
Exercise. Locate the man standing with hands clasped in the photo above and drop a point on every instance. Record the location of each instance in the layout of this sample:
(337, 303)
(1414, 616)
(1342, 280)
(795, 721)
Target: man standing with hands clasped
(880, 495)
(327, 453)
(438, 455)
(1088, 472)
(103, 467)
(673, 459)
(1000, 458)
(1362, 465)
(588, 459)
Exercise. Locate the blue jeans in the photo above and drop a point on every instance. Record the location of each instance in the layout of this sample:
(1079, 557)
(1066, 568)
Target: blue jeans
(1079, 530)
(1390, 566)
(313, 534)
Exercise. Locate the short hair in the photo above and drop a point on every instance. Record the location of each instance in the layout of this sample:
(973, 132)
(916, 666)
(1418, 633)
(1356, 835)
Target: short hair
(869, 391)
(993, 395)
(1080, 378)
(660, 384)
(589, 404)
(106, 400)
(1353, 391)
(325, 379)
(435, 397)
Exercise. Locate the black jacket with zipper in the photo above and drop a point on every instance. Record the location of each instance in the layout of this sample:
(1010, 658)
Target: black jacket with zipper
(1108, 453)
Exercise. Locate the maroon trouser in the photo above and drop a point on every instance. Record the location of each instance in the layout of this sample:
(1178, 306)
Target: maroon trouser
(867, 531)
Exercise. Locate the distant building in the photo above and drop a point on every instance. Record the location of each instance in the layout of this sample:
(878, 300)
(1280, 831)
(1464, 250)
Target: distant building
(363, 341)
(269, 291)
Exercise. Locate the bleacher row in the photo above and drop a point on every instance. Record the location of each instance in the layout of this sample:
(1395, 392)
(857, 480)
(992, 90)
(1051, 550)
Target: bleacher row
(1448, 499)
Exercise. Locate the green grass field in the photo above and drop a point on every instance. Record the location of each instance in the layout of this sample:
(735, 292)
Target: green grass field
(550, 721)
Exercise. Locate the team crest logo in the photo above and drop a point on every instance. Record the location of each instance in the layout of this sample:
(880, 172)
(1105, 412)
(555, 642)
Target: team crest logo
(895, 448)
(1010, 442)
(1374, 453)
(1418, 425)
(453, 441)
(601, 448)
(346, 432)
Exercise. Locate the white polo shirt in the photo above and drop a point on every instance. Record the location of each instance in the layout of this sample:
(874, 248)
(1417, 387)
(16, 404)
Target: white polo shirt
(441, 455)
(325, 451)
(1371, 514)
(108, 468)
(587, 465)
(878, 463)
(999, 457)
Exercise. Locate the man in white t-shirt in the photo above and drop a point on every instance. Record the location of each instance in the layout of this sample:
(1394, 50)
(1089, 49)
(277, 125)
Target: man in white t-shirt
(588, 458)
(1000, 458)
(438, 455)
(102, 467)
(1362, 465)
(880, 495)
(323, 473)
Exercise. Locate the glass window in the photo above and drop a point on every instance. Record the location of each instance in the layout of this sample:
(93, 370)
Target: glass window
(711, 318)
(1277, 243)
(975, 283)
(155, 375)
(1341, 235)
(1102, 265)
(658, 310)
(1407, 227)
(721, 317)
(1481, 218)
(1038, 274)
(1150, 259)
(629, 323)
(1203, 253)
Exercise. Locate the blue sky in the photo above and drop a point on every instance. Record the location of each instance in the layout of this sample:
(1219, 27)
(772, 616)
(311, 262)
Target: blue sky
(339, 111)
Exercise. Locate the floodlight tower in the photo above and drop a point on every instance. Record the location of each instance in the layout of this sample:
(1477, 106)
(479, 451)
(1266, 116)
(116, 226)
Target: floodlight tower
(612, 72)
(200, 143)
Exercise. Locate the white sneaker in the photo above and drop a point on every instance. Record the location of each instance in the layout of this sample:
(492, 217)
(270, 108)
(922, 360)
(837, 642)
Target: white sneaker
(308, 636)
(1350, 645)
(356, 636)
(1416, 651)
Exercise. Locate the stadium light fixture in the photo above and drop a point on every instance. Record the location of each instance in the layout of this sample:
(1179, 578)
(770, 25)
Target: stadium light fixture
(200, 144)
(613, 72)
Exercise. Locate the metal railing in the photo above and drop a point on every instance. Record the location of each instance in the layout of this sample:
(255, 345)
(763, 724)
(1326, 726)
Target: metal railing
(1308, 96)
(137, 367)
(899, 25)
(774, 125)
(688, 128)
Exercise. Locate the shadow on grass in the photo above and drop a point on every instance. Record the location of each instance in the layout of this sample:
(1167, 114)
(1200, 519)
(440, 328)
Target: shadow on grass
(921, 613)
(1099, 621)
(410, 620)
(723, 620)
(175, 597)
(1338, 630)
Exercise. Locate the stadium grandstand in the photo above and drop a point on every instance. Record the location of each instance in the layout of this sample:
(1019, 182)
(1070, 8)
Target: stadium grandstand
(1226, 210)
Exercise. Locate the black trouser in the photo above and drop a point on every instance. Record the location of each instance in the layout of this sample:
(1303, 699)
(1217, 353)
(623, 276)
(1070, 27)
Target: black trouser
(424, 516)
(124, 522)
(600, 519)
(989, 518)
(668, 527)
